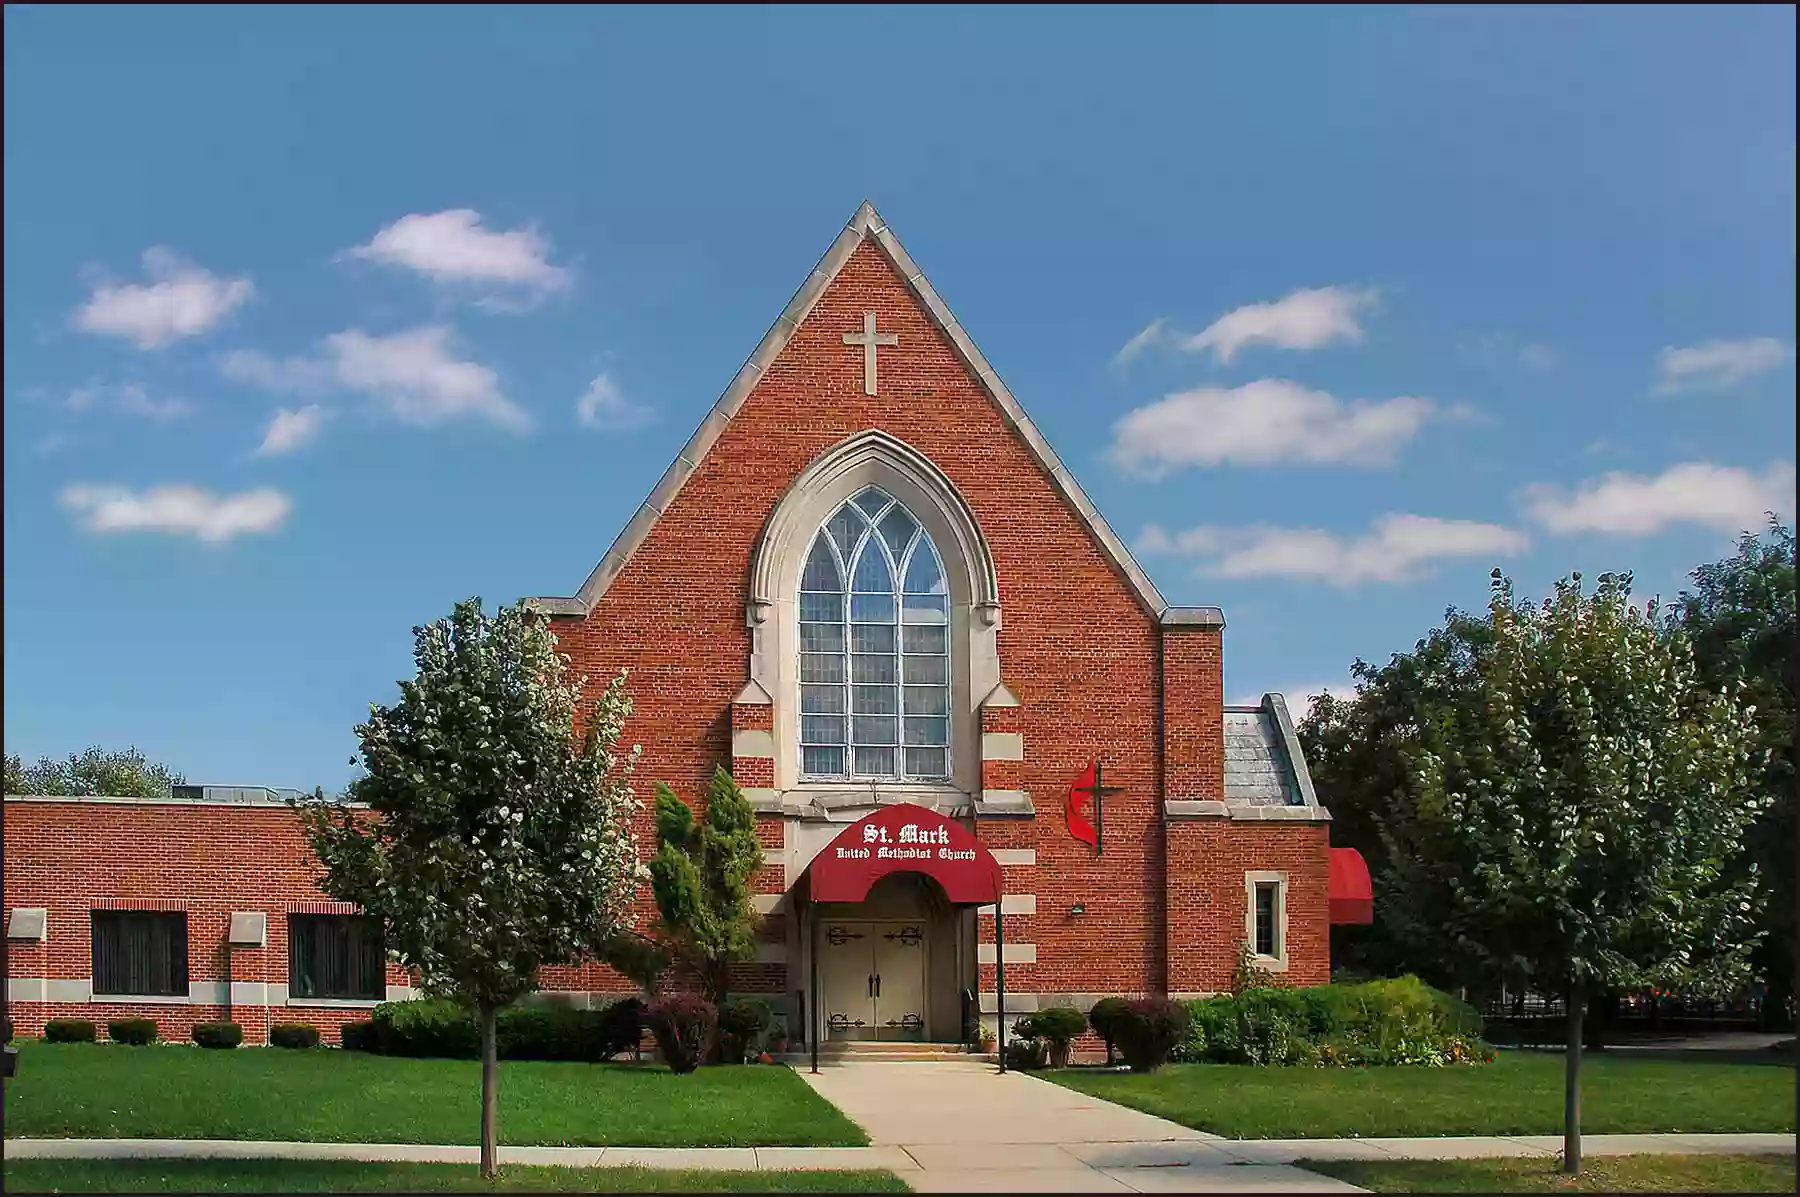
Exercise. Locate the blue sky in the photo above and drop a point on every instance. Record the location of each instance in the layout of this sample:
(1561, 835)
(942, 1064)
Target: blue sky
(319, 320)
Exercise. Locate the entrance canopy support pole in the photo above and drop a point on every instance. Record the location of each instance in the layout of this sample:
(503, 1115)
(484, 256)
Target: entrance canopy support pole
(815, 1011)
(1000, 978)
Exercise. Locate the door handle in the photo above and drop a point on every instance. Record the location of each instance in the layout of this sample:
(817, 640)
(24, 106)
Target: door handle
(871, 985)
(877, 984)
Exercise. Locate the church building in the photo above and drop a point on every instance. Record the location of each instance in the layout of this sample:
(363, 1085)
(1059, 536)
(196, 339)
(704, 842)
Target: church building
(986, 756)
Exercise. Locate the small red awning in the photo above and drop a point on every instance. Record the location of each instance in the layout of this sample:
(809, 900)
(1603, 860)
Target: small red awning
(1352, 894)
(904, 838)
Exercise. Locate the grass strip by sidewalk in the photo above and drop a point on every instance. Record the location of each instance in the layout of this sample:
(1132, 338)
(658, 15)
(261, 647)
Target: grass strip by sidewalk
(109, 1091)
(1607, 1174)
(345, 1176)
(1520, 1093)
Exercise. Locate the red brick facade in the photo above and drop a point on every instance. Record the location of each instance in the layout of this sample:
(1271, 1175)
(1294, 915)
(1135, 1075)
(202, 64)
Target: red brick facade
(1095, 672)
(72, 858)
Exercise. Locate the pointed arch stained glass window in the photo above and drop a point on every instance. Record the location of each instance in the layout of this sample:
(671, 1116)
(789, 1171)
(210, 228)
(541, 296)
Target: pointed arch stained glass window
(874, 647)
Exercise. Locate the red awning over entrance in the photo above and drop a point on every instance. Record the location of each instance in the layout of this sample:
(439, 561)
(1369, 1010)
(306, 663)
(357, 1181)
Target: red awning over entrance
(1352, 894)
(898, 839)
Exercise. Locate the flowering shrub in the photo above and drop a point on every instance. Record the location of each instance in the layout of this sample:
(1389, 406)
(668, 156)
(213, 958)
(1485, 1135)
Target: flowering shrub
(684, 1025)
(1149, 1030)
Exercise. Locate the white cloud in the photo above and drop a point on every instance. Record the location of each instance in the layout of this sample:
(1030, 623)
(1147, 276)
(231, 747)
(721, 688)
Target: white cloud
(181, 300)
(128, 399)
(1397, 548)
(179, 510)
(1503, 351)
(1718, 363)
(604, 406)
(296, 374)
(1152, 334)
(46, 445)
(414, 376)
(1306, 319)
(290, 431)
(452, 248)
(1301, 699)
(1190, 542)
(1538, 356)
(1724, 498)
(1262, 422)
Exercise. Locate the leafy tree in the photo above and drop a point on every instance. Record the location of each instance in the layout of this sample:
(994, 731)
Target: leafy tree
(496, 842)
(127, 774)
(1355, 751)
(1740, 619)
(701, 879)
(1574, 820)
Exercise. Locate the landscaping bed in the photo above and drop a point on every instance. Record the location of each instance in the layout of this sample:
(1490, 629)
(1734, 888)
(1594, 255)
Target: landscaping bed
(1609, 1174)
(103, 1090)
(340, 1176)
(1520, 1093)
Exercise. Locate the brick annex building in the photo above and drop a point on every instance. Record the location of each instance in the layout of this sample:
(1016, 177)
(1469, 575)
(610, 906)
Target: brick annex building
(868, 586)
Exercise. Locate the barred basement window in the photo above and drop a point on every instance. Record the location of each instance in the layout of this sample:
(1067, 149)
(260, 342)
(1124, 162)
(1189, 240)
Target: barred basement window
(336, 956)
(140, 953)
(874, 647)
(1268, 935)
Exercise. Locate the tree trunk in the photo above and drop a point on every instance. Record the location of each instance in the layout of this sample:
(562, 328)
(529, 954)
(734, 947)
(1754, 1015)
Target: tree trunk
(1572, 1084)
(490, 1095)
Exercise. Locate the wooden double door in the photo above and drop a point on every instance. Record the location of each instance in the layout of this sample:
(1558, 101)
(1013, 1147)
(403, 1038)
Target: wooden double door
(873, 976)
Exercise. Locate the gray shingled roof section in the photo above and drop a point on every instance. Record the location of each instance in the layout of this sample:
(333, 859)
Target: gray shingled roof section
(1257, 771)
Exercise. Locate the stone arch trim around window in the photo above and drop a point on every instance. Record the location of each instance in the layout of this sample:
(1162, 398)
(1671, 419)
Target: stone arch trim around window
(916, 485)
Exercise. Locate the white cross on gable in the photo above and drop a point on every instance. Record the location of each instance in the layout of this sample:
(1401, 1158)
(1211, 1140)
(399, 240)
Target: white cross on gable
(868, 338)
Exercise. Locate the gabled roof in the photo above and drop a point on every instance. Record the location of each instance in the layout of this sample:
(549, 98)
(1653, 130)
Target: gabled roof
(867, 225)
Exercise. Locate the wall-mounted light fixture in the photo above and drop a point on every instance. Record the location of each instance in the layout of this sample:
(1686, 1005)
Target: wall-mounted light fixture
(1078, 908)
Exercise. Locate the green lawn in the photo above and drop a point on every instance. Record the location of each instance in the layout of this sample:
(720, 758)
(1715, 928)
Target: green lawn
(1611, 1174)
(107, 1091)
(340, 1176)
(1521, 1093)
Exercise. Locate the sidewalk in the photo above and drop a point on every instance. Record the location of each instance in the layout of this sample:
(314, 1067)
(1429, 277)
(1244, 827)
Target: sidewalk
(1188, 1165)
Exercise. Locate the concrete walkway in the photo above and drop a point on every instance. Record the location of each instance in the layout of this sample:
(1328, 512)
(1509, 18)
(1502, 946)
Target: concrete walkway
(1193, 1165)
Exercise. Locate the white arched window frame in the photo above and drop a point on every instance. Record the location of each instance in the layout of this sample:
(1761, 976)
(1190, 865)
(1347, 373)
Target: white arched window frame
(875, 459)
(874, 644)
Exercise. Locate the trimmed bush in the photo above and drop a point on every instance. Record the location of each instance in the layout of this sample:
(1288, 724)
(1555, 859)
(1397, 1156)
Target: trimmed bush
(621, 1028)
(684, 1025)
(359, 1036)
(1104, 1018)
(68, 1030)
(743, 1022)
(1149, 1030)
(1058, 1027)
(136, 1032)
(217, 1035)
(296, 1036)
(1402, 1021)
(426, 1027)
(535, 1030)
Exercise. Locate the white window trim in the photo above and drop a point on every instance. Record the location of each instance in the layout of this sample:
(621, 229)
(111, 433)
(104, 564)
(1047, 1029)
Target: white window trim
(876, 459)
(1277, 963)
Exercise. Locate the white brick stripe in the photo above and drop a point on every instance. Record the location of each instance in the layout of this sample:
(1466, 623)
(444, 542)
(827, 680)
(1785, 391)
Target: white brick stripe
(1016, 857)
(752, 743)
(1012, 904)
(765, 903)
(1002, 746)
(1016, 953)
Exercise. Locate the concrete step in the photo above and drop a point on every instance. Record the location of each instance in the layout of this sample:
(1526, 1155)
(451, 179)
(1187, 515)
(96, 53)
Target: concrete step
(839, 1052)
